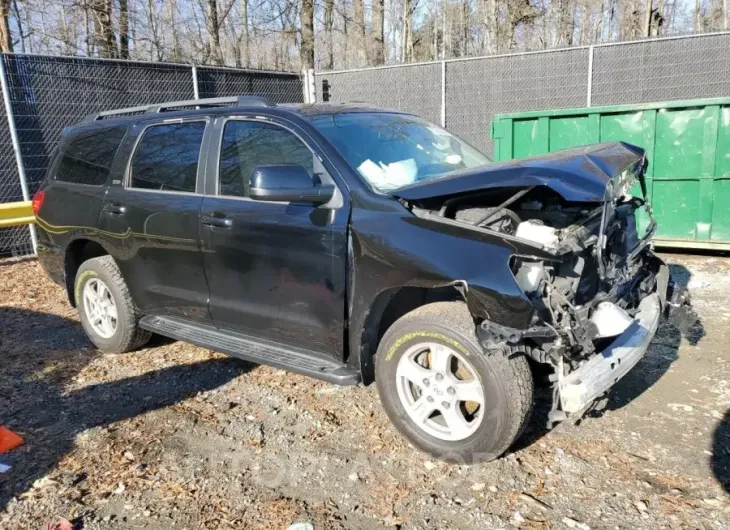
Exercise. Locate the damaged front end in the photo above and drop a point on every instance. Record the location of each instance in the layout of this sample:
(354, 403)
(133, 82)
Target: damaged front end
(599, 297)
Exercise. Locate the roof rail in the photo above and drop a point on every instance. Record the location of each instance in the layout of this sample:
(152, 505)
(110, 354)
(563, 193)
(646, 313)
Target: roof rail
(235, 101)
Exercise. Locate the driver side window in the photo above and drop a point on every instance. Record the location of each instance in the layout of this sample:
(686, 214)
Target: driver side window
(247, 144)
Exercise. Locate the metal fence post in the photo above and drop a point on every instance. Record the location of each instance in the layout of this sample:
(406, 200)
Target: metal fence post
(196, 92)
(312, 89)
(590, 76)
(305, 85)
(308, 88)
(443, 94)
(16, 144)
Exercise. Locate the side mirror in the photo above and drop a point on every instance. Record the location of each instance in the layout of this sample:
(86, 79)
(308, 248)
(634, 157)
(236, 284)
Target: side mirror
(289, 183)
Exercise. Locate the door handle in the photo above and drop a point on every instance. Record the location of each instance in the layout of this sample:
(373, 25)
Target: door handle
(222, 222)
(116, 209)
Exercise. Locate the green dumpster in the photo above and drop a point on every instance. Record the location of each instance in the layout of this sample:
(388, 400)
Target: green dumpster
(687, 144)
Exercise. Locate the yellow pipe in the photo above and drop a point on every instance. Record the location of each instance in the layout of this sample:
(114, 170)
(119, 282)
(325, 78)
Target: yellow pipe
(16, 214)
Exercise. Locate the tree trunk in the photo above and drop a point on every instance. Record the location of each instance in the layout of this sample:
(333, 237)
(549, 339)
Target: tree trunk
(465, 28)
(173, 25)
(585, 25)
(407, 37)
(123, 29)
(214, 33)
(597, 35)
(646, 30)
(110, 44)
(103, 31)
(698, 21)
(307, 18)
(359, 19)
(246, 41)
(329, 60)
(378, 32)
(6, 39)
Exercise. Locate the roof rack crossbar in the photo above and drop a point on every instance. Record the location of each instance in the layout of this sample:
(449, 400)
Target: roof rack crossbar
(239, 101)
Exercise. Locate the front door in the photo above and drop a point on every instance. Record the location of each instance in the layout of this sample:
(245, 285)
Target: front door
(276, 271)
(151, 219)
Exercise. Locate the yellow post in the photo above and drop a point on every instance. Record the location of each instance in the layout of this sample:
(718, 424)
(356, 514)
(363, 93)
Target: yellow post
(16, 214)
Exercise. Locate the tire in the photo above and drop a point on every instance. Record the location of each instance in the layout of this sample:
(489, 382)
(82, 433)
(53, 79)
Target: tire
(125, 335)
(505, 380)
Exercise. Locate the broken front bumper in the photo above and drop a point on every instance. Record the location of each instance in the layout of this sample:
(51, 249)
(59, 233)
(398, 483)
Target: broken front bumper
(581, 387)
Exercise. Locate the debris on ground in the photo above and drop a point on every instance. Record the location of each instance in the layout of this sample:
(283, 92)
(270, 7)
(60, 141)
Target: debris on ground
(8, 440)
(174, 436)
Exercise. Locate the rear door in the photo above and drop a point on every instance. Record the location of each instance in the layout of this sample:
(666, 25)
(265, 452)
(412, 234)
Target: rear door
(276, 270)
(151, 217)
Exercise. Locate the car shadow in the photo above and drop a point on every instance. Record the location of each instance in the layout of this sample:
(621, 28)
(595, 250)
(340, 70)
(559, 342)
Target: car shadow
(662, 353)
(41, 355)
(720, 460)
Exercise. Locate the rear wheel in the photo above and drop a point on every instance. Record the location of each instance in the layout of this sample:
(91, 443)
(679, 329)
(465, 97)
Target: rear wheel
(444, 393)
(107, 312)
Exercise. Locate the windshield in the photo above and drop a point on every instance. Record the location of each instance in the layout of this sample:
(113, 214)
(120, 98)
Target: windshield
(393, 150)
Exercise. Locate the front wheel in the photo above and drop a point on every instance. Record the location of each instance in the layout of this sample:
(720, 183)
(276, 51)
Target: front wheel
(444, 393)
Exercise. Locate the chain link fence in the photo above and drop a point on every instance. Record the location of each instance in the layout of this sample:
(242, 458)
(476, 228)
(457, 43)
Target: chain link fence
(465, 94)
(47, 94)
(220, 82)
(412, 88)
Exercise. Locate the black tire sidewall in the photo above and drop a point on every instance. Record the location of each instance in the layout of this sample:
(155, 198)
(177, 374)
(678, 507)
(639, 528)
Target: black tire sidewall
(87, 272)
(490, 439)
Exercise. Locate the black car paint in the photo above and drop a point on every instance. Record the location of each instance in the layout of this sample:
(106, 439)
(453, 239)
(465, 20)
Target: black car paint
(581, 174)
(322, 277)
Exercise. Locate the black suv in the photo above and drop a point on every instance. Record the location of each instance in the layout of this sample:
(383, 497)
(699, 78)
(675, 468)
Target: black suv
(355, 244)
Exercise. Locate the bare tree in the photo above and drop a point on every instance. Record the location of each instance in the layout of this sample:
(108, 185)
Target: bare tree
(214, 36)
(123, 29)
(329, 63)
(407, 32)
(377, 32)
(6, 39)
(359, 34)
(307, 47)
(284, 33)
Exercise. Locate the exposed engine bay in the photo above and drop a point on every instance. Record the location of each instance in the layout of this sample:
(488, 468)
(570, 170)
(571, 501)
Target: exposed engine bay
(580, 231)
(590, 292)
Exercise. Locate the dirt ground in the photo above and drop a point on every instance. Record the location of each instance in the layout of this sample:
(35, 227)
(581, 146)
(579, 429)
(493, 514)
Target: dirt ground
(175, 436)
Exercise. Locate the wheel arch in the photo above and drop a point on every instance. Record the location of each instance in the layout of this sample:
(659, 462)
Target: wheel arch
(388, 307)
(77, 252)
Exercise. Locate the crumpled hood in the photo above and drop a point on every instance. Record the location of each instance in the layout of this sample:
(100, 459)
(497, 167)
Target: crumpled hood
(582, 174)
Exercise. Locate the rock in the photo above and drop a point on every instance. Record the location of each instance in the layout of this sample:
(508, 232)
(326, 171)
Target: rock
(517, 518)
(430, 465)
(301, 526)
(641, 506)
(354, 477)
(479, 486)
(128, 456)
(572, 523)
(120, 489)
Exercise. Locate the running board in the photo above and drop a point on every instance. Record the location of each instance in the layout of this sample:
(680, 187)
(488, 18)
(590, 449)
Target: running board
(252, 350)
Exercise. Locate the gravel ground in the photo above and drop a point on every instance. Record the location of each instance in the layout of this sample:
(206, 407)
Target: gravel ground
(175, 436)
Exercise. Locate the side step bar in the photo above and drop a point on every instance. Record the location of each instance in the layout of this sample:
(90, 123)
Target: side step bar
(252, 350)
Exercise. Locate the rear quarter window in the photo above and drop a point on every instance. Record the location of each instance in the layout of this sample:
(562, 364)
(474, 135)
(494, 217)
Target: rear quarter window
(88, 156)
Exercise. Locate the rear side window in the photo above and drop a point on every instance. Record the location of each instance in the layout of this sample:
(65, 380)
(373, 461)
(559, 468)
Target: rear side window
(166, 157)
(87, 157)
(247, 144)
